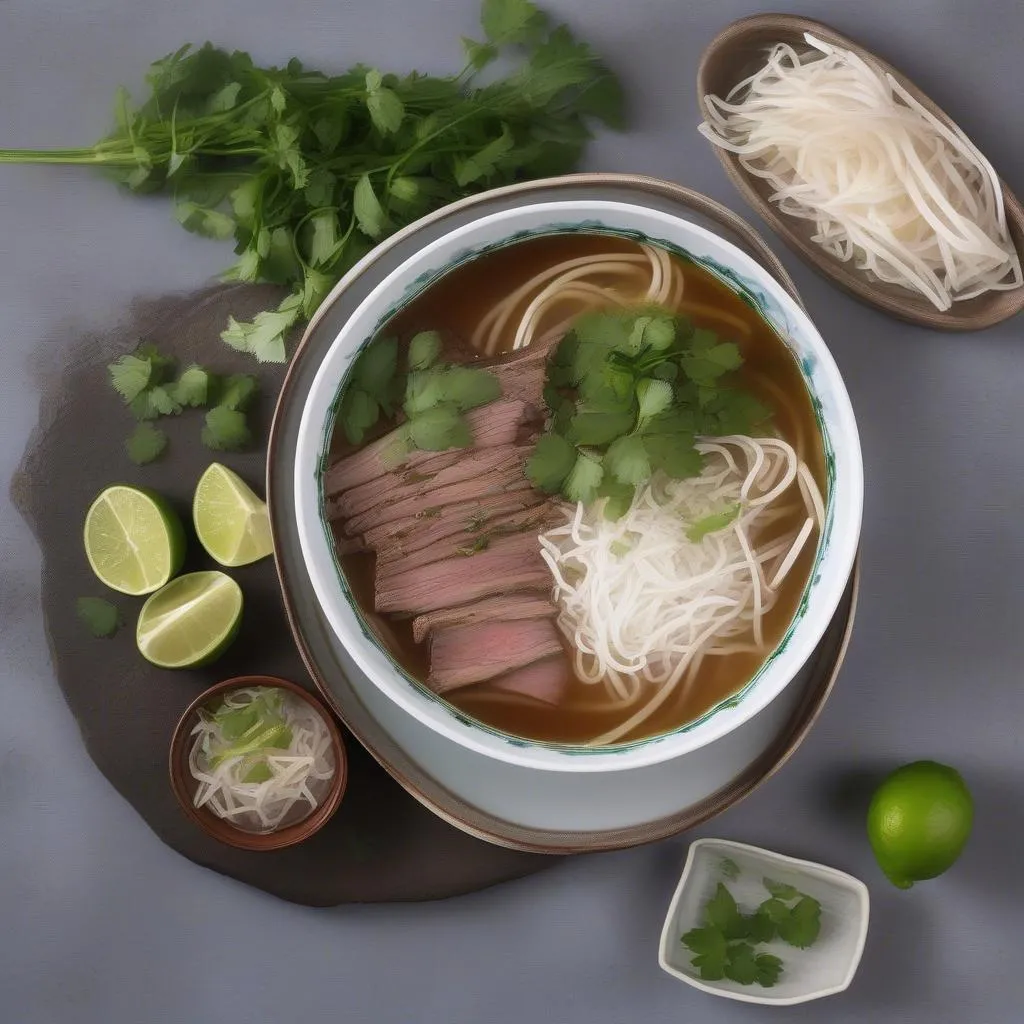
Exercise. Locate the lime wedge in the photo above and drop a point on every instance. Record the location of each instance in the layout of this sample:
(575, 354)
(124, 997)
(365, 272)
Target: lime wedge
(231, 521)
(134, 540)
(191, 621)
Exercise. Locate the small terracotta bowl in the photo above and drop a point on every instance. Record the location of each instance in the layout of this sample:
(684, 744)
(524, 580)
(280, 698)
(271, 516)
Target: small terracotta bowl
(184, 785)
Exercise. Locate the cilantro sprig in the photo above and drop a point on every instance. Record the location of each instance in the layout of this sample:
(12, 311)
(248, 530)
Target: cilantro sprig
(629, 392)
(725, 944)
(306, 171)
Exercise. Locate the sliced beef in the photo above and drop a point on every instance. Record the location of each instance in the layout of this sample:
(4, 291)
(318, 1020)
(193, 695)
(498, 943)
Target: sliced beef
(461, 655)
(422, 481)
(506, 608)
(497, 423)
(434, 499)
(477, 537)
(416, 532)
(510, 565)
(546, 681)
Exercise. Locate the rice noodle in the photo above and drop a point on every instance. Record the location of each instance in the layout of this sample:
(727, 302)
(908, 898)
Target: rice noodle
(642, 604)
(886, 184)
(658, 280)
(300, 774)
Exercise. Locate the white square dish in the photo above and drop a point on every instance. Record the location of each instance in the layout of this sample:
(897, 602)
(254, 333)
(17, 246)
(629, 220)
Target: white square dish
(825, 968)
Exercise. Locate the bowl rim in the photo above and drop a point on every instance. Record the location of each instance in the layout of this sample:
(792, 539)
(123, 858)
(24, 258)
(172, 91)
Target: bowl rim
(313, 438)
(183, 786)
(825, 872)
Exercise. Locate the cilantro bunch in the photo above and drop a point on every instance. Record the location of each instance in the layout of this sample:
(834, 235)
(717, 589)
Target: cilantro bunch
(307, 171)
(629, 392)
(724, 946)
(432, 397)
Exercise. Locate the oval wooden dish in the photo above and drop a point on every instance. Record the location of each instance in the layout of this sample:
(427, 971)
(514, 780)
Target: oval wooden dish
(737, 52)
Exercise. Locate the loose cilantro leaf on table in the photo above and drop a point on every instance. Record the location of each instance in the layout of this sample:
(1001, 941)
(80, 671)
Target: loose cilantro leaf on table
(100, 617)
(305, 171)
(226, 429)
(146, 444)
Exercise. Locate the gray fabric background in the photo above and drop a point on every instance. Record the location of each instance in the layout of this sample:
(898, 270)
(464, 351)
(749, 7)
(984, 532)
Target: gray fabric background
(100, 923)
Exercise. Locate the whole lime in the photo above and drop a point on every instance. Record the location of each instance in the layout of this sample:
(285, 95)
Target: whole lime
(919, 821)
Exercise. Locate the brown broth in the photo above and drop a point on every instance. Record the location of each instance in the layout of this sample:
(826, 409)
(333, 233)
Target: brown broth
(455, 305)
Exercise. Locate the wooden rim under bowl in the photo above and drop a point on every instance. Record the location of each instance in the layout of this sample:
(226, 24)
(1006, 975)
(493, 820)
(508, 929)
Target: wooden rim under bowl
(184, 786)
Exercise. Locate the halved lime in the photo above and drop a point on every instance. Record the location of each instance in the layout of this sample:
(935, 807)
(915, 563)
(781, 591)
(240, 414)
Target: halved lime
(231, 521)
(134, 540)
(191, 621)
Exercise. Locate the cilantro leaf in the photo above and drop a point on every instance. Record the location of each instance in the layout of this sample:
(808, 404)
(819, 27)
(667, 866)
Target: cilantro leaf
(203, 220)
(226, 429)
(386, 108)
(357, 414)
(741, 965)
(100, 617)
(376, 366)
(479, 55)
(705, 940)
(238, 391)
(130, 376)
(598, 428)
(711, 951)
(439, 429)
(722, 913)
(674, 455)
(774, 910)
(780, 890)
(511, 21)
(146, 444)
(803, 923)
(193, 387)
(627, 460)
(323, 246)
(551, 462)
(424, 349)
(468, 387)
(760, 927)
(264, 337)
(698, 530)
(768, 969)
(369, 213)
(482, 163)
(618, 497)
(654, 397)
(584, 479)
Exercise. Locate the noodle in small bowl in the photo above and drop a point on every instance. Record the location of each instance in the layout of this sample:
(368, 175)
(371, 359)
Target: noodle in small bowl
(274, 779)
(624, 775)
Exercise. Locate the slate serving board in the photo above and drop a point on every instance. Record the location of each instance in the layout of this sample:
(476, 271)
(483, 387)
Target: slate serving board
(382, 845)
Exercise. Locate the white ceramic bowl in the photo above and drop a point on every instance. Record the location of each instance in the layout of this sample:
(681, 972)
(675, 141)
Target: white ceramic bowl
(836, 550)
(822, 969)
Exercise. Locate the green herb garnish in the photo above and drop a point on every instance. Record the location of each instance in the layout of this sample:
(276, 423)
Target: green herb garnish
(145, 380)
(100, 617)
(433, 397)
(146, 444)
(306, 171)
(724, 946)
(629, 391)
(712, 524)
